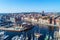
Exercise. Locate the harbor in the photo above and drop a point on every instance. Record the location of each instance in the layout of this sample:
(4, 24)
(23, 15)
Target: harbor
(29, 27)
(29, 19)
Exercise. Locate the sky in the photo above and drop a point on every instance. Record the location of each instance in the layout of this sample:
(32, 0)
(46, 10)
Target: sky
(16, 6)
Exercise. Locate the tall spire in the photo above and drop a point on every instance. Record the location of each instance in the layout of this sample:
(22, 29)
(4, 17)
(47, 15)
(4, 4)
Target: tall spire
(43, 14)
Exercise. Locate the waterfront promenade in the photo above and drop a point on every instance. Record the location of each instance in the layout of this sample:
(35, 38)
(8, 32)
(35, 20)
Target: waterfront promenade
(41, 23)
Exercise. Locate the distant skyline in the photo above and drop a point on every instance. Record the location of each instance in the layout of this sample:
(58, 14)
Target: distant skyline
(16, 6)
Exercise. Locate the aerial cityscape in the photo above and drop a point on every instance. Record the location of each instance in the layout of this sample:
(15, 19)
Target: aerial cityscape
(29, 19)
(29, 26)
